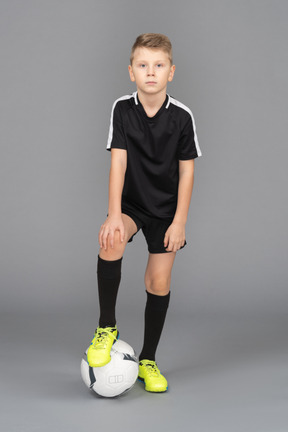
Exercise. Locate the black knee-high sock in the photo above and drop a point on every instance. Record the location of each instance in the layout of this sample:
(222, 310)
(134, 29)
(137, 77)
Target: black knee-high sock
(155, 314)
(109, 276)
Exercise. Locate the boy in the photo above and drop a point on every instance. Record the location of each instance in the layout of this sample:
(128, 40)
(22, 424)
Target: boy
(153, 144)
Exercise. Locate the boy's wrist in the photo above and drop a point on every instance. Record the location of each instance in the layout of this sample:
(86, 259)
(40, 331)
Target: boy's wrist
(179, 220)
(115, 213)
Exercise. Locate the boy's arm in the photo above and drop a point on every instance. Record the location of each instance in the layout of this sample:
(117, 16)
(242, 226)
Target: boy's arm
(116, 180)
(175, 235)
(185, 187)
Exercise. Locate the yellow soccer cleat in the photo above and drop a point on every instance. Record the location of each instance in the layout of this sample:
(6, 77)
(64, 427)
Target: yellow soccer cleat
(98, 353)
(150, 375)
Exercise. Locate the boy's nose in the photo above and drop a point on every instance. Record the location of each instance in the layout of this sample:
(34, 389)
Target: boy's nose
(150, 71)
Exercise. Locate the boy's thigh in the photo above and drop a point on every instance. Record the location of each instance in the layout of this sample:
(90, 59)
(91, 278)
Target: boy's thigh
(129, 226)
(135, 216)
(160, 265)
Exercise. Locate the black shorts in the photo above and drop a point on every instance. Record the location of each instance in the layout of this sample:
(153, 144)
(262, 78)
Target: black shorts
(154, 229)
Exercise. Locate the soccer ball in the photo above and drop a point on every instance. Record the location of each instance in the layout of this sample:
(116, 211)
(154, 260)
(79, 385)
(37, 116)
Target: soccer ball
(116, 377)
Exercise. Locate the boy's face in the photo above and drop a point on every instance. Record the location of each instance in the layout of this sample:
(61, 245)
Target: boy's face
(151, 70)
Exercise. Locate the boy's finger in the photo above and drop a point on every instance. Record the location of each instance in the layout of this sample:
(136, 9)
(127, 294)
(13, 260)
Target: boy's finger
(170, 246)
(165, 240)
(122, 234)
(105, 234)
(100, 238)
(111, 234)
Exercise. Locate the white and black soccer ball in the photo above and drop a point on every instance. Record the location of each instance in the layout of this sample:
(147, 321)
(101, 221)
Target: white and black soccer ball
(116, 377)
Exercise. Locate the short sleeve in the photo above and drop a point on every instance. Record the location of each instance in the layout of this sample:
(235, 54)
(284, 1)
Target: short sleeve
(188, 146)
(116, 136)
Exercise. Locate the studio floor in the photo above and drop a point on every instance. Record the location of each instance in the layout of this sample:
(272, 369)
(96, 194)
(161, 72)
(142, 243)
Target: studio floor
(226, 373)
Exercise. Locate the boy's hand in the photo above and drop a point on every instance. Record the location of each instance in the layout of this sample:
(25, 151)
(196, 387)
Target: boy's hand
(174, 237)
(112, 224)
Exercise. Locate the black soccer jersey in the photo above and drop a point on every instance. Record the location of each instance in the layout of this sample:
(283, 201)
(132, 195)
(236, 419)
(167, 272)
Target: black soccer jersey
(154, 147)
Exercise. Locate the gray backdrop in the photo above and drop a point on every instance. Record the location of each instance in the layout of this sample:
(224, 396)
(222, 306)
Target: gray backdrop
(224, 346)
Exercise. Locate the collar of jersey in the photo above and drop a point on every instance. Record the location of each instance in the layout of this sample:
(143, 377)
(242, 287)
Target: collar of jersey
(165, 105)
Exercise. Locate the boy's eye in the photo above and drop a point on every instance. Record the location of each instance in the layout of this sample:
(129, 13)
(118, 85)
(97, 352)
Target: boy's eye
(142, 65)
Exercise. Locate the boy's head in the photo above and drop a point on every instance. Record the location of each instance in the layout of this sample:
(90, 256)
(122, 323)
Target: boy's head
(154, 41)
(151, 65)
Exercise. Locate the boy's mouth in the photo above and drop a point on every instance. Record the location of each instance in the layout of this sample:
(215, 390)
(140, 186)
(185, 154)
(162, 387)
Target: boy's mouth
(151, 82)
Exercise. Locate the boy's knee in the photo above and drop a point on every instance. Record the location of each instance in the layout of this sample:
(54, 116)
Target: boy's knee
(118, 248)
(157, 285)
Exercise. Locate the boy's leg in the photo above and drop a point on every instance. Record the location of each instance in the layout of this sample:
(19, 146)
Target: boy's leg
(157, 282)
(108, 276)
(109, 273)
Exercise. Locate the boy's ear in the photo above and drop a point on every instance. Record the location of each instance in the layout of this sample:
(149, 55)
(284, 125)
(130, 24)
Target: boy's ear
(171, 75)
(131, 73)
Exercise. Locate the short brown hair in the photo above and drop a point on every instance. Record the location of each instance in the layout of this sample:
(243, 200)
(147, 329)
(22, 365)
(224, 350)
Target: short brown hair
(153, 40)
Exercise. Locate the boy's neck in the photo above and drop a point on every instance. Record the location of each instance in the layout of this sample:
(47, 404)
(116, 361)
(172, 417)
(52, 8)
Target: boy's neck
(153, 101)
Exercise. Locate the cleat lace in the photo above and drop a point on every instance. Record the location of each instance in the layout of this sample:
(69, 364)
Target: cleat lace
(152, 369)
(102, 337)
